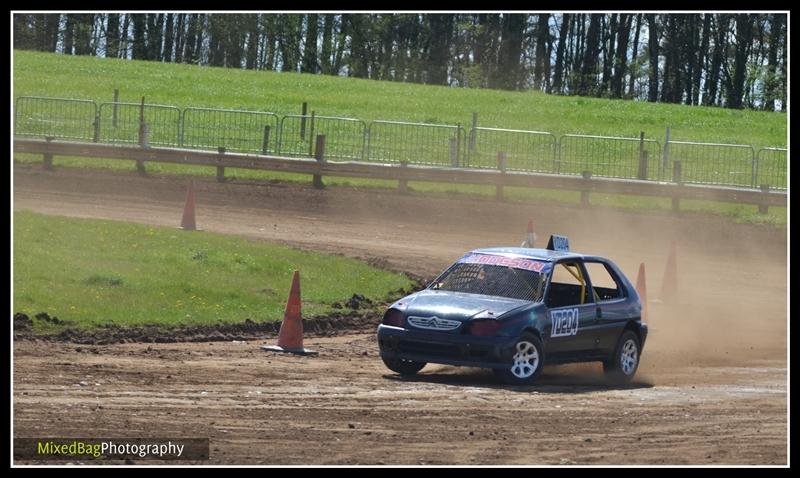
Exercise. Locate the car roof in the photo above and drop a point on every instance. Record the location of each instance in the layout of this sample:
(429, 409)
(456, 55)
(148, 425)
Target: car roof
(532, 253)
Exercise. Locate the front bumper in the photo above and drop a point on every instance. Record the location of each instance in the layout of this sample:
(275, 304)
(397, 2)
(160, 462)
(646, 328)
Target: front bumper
(445, 348)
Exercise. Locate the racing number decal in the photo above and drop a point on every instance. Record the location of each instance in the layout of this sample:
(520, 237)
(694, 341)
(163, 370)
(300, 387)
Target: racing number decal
(565, 322)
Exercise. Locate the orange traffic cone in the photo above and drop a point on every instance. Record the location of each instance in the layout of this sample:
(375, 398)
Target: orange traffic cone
(187, 222)
(641, 288)
(669, 287)
(530, 236)
(290, 337)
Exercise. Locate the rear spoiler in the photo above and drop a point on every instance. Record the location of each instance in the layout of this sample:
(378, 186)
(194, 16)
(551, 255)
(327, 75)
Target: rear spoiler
(558, 243)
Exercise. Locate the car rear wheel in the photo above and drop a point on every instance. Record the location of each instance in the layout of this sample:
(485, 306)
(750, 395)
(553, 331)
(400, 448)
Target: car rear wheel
(527, 361)
(622, 366)
(404, 367)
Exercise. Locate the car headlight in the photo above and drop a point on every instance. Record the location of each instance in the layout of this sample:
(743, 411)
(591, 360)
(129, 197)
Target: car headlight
(394, 317)
(484, 328)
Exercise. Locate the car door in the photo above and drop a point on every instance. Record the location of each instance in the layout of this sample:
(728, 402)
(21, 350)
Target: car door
(571, 312)
(610, 302)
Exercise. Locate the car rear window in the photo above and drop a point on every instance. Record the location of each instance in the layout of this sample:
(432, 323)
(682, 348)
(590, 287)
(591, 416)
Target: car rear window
(492, 280)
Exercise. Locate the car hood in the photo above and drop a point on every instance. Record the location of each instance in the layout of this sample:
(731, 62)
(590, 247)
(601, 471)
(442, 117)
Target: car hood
(456, 305)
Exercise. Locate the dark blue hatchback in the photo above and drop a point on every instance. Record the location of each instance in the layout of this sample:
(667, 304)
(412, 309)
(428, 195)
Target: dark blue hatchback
(515, 310)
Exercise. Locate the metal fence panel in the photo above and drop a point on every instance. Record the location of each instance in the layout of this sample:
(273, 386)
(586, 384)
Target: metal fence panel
(57, 117)
(415, 143)
(607, 156)
(525, 150)
(121, 122)
(234, 130)
(393, 142)
(772, 167)
(344, 137)
(710, 163)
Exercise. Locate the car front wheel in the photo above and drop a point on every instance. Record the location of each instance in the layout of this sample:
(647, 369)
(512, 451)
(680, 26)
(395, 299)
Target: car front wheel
(622, 366)
(527, 361)
(404, 367)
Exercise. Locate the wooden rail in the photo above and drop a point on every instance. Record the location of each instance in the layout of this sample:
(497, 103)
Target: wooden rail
(403, 173)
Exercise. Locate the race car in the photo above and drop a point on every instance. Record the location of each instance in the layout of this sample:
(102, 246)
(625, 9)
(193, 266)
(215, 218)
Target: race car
(516, 309)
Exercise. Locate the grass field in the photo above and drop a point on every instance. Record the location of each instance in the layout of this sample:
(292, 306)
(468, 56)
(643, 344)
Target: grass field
(91, 273)
(187, 85)
(49, 74)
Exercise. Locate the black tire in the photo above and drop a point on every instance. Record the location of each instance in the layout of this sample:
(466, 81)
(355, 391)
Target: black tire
(404, 367)
(527, 361)
(625, 361)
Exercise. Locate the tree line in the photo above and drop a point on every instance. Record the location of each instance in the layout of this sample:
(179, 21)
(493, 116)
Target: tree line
(721, 59)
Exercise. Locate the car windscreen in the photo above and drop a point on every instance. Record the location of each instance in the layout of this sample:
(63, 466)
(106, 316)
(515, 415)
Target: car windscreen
(493, 280)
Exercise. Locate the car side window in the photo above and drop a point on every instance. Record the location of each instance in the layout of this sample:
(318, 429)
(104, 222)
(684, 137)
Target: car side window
(568, 286)
(605, 283)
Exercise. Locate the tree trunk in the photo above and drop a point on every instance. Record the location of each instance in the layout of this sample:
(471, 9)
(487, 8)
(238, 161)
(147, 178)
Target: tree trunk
(124, 38)
(216, 42)
(234, 39)
(388, 55)
(691, 55)
(671, 91)
(95, 31)
(509, 74)
(344, 30)
(702, 55)
(25, 31)
(744, 39)
(38, 31)
(83, 33)
(157, 43)
(607, 43)
(569, 55)
(272, 39)
(53, 21)
(169, 36)
(139, 40)
(689, 52)
(540, 80)
(558, 74)
(263, 46)
(620, 65)
(327, 38)
(635, 58)
(310, 63)
(180, 38)
(197, 57)
(251, 61)
(288, 42)
(652, 27)
(69, 34)
(358, 65)
(713, 75)
(485, 48)
(771, 83)
(191, 38)
(154, 36)
(580, 47)
(588, 73)
(112, 35)
(784, 79)
(441, 28)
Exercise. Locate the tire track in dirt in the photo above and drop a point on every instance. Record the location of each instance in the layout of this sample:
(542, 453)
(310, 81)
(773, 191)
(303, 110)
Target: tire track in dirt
(711, 389)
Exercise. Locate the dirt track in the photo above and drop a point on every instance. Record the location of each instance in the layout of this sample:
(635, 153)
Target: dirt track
(711, 387)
